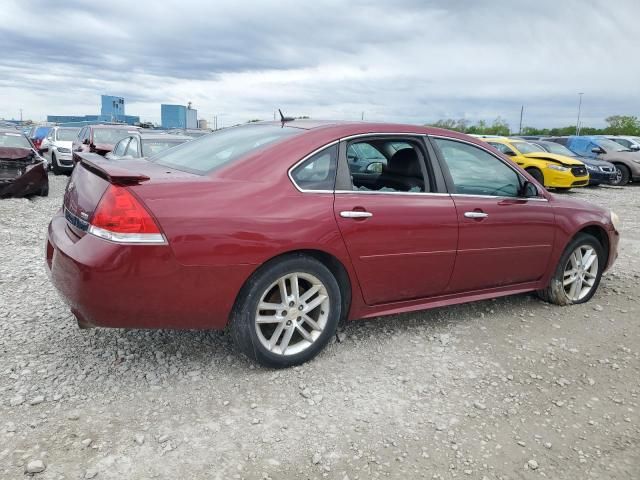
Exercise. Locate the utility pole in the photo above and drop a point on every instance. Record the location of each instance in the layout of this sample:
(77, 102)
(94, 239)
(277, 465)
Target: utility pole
(362, 117)
(579, 108)
(20, 116)
(521, 114)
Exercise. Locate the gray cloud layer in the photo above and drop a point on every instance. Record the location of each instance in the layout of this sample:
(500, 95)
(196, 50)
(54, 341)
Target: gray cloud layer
(410, 61)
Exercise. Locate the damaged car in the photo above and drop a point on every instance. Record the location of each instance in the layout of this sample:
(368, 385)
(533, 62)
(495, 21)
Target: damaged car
(22, 171)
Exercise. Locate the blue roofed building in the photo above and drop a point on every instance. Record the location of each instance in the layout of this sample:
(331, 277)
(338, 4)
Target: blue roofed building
(178, 116)
(112, 110)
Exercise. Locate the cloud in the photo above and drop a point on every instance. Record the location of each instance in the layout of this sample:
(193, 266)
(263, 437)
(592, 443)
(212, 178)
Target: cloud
(406, 61)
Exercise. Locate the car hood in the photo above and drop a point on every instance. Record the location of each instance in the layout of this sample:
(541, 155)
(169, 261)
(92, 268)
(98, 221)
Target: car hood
(13, 153)
(594, 162)
(554, 157)
(63, 144)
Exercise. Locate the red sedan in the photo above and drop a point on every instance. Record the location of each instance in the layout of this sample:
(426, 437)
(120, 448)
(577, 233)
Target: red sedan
(280, 231)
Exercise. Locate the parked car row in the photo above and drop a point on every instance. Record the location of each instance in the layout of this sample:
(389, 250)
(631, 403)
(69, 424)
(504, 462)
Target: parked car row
(23, 171)
(573, 161)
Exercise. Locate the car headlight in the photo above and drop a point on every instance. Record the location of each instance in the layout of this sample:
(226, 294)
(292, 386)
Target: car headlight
(559, 168)
(615, 221)
(64, 150)
(592, 168)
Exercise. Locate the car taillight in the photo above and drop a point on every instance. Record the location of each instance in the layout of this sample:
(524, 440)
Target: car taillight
(121, 218)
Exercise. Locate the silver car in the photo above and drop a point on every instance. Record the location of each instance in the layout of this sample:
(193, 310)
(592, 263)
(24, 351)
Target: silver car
(56, 148)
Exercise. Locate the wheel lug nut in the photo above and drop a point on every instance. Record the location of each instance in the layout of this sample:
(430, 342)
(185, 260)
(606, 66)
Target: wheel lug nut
(291, 304)
(300, 307)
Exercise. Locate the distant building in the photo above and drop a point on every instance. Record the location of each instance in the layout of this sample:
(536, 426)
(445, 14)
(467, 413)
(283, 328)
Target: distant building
(178, 116)
(112, 106)
(111, 110)
(202, 123)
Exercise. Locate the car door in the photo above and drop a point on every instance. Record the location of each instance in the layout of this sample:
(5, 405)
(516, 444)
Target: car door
(505, 238)
(400, 232)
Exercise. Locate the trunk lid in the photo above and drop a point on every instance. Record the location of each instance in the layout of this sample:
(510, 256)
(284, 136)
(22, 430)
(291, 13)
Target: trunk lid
(92, 176)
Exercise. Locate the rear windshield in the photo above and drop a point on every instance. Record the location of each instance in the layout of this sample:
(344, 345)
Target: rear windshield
(110, 135)
(67, 134)
(216, 149)
(14, 140)
(151, 147)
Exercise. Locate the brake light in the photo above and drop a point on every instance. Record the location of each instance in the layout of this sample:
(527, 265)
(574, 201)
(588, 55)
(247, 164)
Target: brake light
(120, 217)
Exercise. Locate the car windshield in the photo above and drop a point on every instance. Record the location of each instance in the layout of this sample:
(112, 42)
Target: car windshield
(559, 149)
(41, 132)
(524, 147)
(610, 145)
(14, 140)
(67, 134)
(212, 151)
(110, 135)
(151, 147)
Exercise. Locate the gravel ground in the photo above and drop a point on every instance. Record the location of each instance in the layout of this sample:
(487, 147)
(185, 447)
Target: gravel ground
(505, 389)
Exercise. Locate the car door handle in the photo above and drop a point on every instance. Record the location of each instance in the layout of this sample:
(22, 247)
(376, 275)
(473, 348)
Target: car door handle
(476, 215)
(355, 214)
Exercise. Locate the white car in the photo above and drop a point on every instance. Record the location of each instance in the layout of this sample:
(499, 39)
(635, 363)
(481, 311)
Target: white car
(56, 148)
(632, 143)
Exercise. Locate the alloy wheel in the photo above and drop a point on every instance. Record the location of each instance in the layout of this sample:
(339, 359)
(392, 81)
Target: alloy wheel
(618, 178)
(292, 313)
(580, 272)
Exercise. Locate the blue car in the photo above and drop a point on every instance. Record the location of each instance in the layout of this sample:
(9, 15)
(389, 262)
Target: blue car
(599, 171)
(626, 162)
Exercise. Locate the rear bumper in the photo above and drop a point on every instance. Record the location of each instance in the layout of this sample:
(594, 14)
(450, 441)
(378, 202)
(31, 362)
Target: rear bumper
(138, 286)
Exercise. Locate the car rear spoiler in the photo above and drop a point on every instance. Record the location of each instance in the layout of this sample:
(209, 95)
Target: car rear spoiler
(111, 171)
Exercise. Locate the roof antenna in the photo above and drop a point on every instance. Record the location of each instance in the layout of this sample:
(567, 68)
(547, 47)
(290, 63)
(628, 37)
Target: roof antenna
(284, 119)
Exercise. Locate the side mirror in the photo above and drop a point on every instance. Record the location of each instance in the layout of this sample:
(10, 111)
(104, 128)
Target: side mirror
(85, 141)
(42, 149)
(510, 153)
(597, 150)
(374, 167)
(529, 190)
(635, 148)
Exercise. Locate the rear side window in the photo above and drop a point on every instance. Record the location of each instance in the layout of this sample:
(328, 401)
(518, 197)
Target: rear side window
(224, 146)
(318, 172)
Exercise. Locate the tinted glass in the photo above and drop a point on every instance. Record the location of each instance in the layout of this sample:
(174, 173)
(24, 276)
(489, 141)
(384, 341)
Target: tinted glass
(319, 171)
(109, 135)
(524, 147)
(609, 145)
(151, 147)
(120, 147)
(559, 149)
(476, 172)
(385, 168)
(14, 140)
(224, 146)
(67, 134)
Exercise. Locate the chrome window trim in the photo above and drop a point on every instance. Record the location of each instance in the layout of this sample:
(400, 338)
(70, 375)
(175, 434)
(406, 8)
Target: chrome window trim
(374, 192)
(481, 147)
(304, 159)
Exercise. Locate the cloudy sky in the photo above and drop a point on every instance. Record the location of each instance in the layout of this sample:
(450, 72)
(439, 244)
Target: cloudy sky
(398, 60)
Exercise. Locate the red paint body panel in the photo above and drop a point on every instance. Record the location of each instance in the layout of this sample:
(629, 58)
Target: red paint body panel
(408, 243)
(509, 246)
(417, 251)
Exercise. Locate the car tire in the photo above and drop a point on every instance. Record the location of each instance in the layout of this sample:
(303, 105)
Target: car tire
(291, 332)
(537, 174)
(585, 280)
(623, 175)
(54, 165)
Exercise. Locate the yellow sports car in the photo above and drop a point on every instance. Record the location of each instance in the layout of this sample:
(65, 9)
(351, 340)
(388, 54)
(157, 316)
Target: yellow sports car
(550, 169)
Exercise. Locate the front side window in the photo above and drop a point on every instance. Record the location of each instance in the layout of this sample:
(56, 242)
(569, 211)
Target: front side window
(476, 172)
(384, 165)
(132, 149)
(318, 172)
(120, 146)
